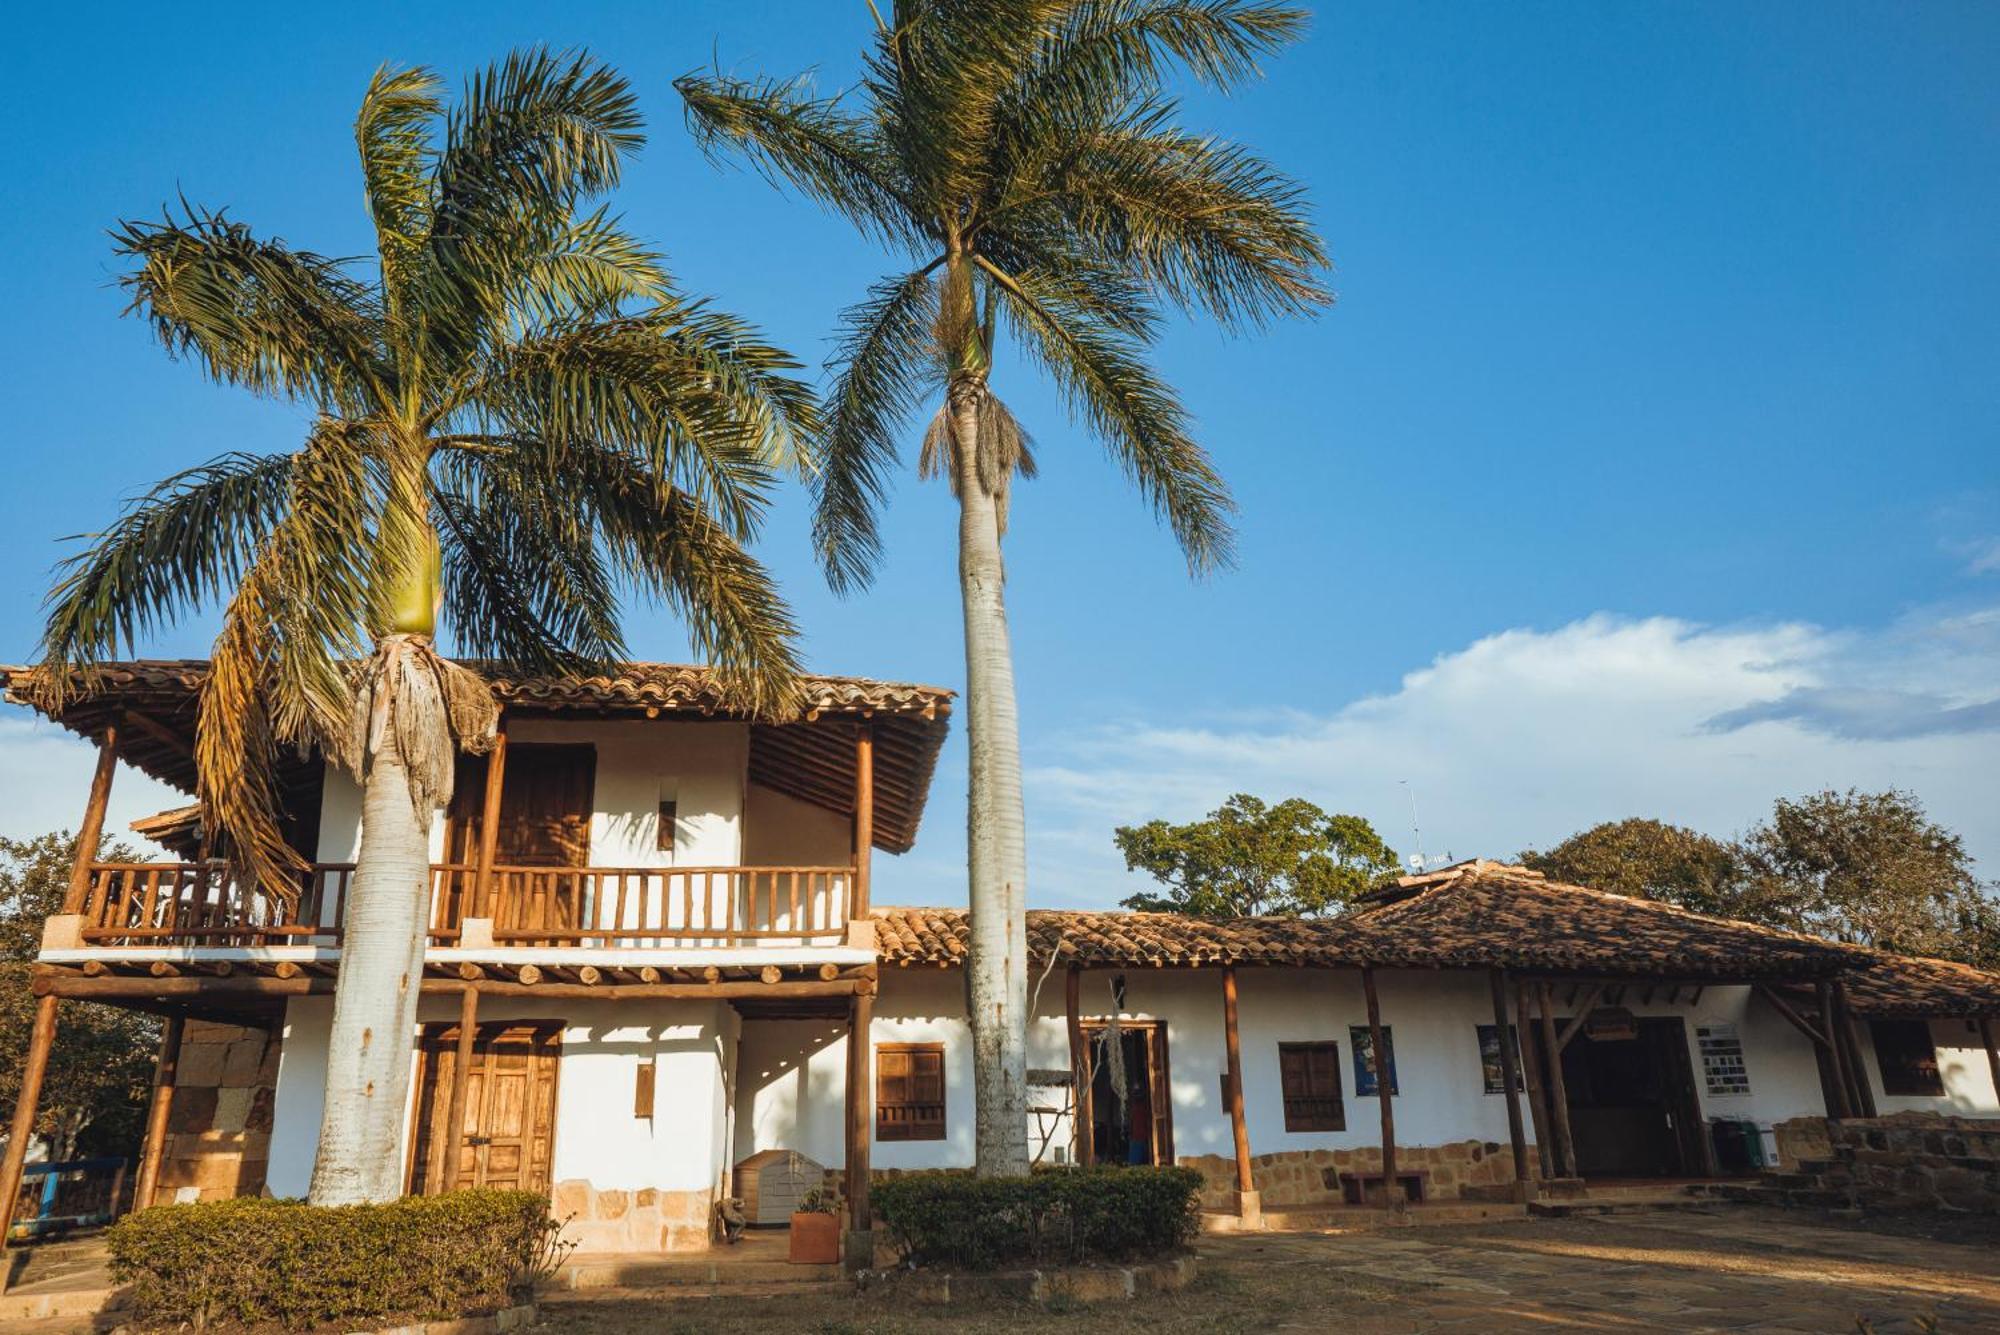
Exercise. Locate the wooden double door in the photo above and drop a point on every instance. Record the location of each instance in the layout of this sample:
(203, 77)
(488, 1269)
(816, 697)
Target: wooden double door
(510, 1106)
(546, 795)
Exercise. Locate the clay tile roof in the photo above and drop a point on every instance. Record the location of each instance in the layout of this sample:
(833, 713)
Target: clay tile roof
(1888, 986)
(810, 757)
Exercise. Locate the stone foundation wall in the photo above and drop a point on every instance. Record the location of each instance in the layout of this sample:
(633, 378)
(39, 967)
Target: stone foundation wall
(1312, 1177)
(219, 1124)
(1920, 1161)
(643, 1220)
(1800, 1139)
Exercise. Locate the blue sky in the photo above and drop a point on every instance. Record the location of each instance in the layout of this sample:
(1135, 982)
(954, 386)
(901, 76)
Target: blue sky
(1644, 466)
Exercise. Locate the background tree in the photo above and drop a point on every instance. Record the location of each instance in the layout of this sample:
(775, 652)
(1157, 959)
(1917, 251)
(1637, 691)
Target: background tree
(1020, 154)
(516, 417)
(101, 1068)
(1870, 868)
(1246, 858)
(1649, 859)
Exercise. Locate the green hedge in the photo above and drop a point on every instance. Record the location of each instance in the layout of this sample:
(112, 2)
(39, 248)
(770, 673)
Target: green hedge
(1054, 1217)
(298, 1266)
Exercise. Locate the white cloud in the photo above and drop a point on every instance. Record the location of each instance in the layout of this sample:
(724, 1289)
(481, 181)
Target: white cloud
(1526, 736)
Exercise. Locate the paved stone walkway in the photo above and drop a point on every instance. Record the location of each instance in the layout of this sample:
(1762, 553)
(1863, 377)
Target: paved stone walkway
(1731, 1269)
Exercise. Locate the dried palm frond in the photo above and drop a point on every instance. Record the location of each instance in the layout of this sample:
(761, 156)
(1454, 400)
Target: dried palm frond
(428, 708)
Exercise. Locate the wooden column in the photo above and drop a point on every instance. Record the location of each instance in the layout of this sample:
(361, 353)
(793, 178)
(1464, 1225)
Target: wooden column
(1557, 1093)
(1845, 1036)
(91, 831)
(1392, 1192)
(1079, 1064)
(1836, 1055)
(860, 1110)
(1510, 1080)
(1992, 1052)
(461, 1076)
(1531, 1059)
(1247, 1203)
(165, 1071)
(40, 1039)
(864, 816)
(489, 831)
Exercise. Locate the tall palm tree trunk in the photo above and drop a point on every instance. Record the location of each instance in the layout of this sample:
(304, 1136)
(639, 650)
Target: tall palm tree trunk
(996, 830)
(375, 999)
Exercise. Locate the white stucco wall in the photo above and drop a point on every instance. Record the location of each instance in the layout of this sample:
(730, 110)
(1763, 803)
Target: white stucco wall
(597, 1137)
(1968, 1077)
(728, 1088)
(781, 831)
(640, 763)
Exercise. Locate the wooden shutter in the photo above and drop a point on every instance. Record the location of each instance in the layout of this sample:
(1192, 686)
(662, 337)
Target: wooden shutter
(909, 1091)
(1310, 1076)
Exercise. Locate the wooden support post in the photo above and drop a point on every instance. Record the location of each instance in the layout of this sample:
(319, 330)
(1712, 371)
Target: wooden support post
(91, 832)
(1510, 1080)
(1558, 1093)
(1992, 1052)
(1079, 1064)
(1249, 1206)
(41, 1038)
(1531, 1059)
(1841, 1087)
(860, 1111)
(489, 827)
(1392, 1190)
(1857, 1067)
(864, 817)
(165, 1071)
(461, 1076)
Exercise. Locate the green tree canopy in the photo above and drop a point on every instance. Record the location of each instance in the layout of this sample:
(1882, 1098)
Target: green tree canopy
(102, 1065)
(1870, 868)
(1247, 858)
(1650, 859)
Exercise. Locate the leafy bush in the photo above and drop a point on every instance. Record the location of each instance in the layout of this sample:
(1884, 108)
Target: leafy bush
(1055, 1217)
(300, 1266)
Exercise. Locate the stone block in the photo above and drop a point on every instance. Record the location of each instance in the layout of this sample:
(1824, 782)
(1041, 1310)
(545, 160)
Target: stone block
(263, 1106)
(192, 1109)
(200, 1065)
(62, 931)
(242, 1063)
(232, 1109)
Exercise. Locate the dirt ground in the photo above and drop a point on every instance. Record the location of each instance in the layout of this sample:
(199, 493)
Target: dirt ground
(1725, 1269)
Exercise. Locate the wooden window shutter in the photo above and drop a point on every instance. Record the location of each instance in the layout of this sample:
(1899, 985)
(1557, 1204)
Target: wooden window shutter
(909, 1091)
(1309, 1074)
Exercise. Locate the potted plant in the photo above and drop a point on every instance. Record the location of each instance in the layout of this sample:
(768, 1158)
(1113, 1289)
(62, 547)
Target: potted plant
(815, 1234)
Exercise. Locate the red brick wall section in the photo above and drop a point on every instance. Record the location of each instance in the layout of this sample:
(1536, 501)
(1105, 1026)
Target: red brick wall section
(219, 1124)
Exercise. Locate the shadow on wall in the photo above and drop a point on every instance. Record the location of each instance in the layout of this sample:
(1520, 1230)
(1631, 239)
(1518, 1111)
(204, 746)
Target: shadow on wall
(780, 1100)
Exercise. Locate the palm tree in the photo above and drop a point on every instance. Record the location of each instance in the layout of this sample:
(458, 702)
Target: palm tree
(1019, 152)
(516, 418)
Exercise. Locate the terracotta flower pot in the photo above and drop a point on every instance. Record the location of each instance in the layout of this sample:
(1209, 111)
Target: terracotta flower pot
(815, 1239)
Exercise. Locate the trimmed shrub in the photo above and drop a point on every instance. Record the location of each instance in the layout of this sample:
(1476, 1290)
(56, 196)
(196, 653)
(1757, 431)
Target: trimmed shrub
(299, 1266)
(1053, 1217)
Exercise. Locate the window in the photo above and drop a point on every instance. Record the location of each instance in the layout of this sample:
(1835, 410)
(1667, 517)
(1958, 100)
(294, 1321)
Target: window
(1310, 1076)
(667, 835)
(1722, 1065)
(909, 1091)
(1904, 1051)
(1364, 1060)
(1489, 1057)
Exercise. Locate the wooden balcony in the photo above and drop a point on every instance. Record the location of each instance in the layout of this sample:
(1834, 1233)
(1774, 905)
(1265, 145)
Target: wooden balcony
(201, 904)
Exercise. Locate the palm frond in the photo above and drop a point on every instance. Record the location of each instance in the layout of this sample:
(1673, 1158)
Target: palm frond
(255, 313)
(525, 583)
(1210, 224)
(654, 386)
(591, 269)
(1107, 383)
(393, 134)
(790, 135)
(885, 361)
(174, 550)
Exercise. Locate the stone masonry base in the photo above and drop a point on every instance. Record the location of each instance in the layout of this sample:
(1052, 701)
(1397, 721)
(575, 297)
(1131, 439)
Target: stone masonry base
(644, 1220)
(1294, 1178)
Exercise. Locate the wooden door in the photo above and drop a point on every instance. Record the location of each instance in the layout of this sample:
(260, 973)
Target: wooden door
(1149, 1076)
(1163, 1095)
(546, 795)
(510, 1106)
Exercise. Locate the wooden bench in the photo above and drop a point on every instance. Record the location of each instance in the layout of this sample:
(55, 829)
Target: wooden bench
(1367, 1188)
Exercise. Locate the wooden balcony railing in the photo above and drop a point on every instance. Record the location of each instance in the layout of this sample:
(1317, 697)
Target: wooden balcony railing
(202, 904)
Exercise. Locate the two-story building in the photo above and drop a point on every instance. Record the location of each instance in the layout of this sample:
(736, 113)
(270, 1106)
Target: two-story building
(653, 976)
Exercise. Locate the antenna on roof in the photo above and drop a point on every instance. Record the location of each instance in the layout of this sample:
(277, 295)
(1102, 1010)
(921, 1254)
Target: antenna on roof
(1416, 859)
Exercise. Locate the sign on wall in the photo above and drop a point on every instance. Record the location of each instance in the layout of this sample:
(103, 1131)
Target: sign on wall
(1722, 1060)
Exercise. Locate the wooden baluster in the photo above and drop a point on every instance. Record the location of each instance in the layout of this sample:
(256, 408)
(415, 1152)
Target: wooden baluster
(622, 878)
(799, 924)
